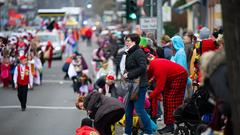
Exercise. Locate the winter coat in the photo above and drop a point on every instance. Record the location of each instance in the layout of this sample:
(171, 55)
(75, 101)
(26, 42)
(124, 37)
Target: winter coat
(180, 56)
(84, 63)
(166, 72)
(167, 51)
(160, 52)
(89, 33)
(216, 78)
(49, 46)
(216, 82)
(189, 53)
(100, 105)
(86, 130)
(100, 82)
(5, 71)
(136, 65)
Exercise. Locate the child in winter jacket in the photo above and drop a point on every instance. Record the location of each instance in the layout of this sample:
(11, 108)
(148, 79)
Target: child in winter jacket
(5, 72)
(86, 128)
(85, 85)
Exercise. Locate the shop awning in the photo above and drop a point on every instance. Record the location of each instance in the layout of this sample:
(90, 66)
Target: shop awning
(51, 14)
(187, 5)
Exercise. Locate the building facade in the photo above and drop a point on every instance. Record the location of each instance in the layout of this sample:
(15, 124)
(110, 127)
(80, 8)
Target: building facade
(214, 14)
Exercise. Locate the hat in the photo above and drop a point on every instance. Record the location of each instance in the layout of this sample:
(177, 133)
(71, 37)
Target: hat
(145, 50)
(204, 33)
(22, 58)
(199, 27)
(143, 42)
(110, 77)
(149, 42)
(87, 122)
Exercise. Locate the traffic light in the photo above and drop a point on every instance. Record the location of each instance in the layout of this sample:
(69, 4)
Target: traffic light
(132, 10)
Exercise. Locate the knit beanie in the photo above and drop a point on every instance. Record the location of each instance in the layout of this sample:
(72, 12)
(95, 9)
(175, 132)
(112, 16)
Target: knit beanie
(204, 33)
(143, 42)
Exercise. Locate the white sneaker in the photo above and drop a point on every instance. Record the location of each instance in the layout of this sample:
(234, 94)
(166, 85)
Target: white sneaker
(160, 118)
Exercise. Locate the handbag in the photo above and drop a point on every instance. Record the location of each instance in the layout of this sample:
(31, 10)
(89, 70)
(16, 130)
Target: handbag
(47, 54)
(122, 87)
(134, 89)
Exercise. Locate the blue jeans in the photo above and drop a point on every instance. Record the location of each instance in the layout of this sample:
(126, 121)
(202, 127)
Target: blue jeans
(141, 112)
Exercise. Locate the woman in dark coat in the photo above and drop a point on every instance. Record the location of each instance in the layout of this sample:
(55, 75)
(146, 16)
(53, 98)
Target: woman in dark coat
(133, 66)
(105, 111)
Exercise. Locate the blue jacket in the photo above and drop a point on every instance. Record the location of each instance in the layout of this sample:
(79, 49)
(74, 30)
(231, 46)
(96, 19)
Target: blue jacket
(180, 56)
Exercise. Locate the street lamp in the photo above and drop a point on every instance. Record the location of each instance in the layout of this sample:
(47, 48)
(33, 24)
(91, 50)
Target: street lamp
(89, 5)
(85, 22)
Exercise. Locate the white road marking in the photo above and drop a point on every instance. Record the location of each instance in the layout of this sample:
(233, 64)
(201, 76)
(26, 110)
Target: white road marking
(42, 107)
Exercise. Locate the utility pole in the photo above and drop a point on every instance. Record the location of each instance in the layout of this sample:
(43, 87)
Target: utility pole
(151, 8)
(159, 21)
(1, 10)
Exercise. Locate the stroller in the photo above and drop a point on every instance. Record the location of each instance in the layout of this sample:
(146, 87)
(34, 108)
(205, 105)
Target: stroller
(188, 117)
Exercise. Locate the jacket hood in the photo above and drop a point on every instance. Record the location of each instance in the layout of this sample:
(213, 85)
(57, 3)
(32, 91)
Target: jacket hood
(177, 43)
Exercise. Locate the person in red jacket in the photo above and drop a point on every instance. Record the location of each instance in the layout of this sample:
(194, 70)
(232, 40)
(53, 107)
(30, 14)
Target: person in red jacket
(171, 80)
(22, 78)
(5, 72)
(49, 46)
(86, 128)
(88, 35)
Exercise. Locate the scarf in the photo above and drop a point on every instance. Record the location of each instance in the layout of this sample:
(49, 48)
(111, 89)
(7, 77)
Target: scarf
(123, 61)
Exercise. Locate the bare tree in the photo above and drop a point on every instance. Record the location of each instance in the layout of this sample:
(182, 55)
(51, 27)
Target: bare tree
(231, 27)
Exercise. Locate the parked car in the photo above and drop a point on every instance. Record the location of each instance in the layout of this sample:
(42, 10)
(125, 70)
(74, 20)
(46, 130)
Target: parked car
(44, 37)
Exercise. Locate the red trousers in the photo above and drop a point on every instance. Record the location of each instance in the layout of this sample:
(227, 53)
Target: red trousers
(49, 63)
(173, 96)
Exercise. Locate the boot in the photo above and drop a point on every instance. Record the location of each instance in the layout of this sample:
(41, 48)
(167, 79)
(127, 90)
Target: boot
(167, 129)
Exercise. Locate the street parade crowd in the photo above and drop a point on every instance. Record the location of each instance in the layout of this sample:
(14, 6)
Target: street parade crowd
(136, 81)
(22, 60)
(182, 80)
